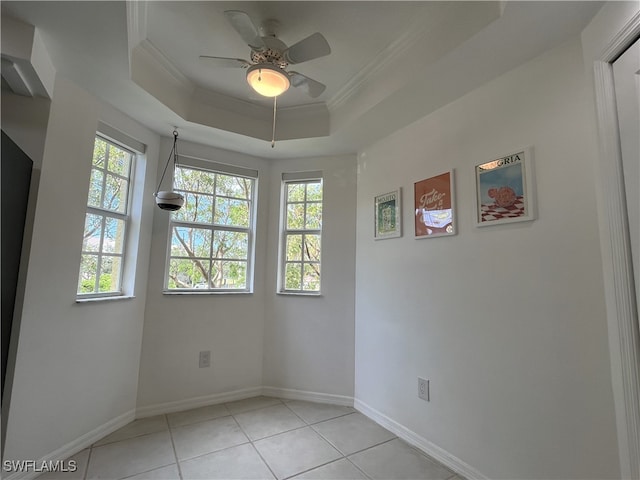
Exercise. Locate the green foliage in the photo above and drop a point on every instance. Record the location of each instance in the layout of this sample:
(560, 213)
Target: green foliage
(311, 279)
(313, 218)
(295, 192)
(302, 250)
(109, 185)
(295, 216)
(294, 247)
(314, 191)
(104, 234)
(99, 153)
(206, 255)
(109, 275)
(293, 276)
(88, 286)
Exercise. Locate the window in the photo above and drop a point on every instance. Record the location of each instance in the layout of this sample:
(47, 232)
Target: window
(301, 237)
(106, 221)
(212, 234)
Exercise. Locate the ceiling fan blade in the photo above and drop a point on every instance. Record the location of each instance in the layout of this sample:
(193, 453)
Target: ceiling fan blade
(242, 24)
(312, 87)
(314, 46)
(225, 62)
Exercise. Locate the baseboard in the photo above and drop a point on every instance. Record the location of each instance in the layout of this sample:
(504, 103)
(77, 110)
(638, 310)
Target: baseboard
(409, 436)
(195, 402)
(291, 394)
(77, 445)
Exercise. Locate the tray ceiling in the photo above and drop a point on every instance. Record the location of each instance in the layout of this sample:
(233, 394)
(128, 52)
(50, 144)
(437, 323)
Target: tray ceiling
(391, 63)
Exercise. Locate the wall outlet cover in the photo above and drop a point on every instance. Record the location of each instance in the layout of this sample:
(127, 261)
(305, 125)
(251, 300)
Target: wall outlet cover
(205, 359)
(423, 389)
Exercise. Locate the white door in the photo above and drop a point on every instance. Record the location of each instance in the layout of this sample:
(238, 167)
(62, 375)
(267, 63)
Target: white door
(626, 73)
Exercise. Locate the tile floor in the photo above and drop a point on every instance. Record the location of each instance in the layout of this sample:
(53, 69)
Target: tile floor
(256, 438)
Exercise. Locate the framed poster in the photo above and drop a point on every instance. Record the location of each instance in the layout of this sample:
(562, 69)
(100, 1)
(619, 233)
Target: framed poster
(504, 190)
(434, 206)
(388, 215)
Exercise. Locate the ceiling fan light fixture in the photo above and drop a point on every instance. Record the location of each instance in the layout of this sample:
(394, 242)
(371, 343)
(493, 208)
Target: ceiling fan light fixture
(268, 80)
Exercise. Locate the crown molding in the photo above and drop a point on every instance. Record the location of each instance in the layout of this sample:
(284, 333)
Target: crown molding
(136, 22)
(15, 78)
(26, 64)
(622, 40)
(398, 47)
(165, 64)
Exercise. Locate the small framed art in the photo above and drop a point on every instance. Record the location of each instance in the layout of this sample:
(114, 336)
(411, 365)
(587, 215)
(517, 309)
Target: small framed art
(434, 206)
(388, 215)
(504, 189)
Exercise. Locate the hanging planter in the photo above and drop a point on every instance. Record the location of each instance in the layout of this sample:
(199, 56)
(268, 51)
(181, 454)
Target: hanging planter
(168, 199)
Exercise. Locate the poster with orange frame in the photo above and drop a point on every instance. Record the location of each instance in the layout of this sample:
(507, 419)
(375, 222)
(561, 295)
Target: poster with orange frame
(434, 206)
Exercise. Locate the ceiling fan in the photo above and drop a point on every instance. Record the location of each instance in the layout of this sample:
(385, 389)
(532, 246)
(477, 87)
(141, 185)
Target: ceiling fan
(267, 71)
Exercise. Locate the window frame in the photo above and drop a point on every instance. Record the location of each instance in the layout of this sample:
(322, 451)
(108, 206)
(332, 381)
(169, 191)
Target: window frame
(289, 179)
(106, 214)
(216, 169)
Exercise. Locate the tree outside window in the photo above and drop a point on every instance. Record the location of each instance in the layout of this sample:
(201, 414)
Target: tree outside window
(106, 221)
(302, 237)
(212, 234)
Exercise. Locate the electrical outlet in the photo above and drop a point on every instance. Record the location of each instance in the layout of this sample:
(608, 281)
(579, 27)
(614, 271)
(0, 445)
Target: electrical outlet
(423, 389)
(205, 359)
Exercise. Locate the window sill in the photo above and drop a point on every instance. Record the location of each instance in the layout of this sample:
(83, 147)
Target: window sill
(191, 292)
(300, 294)
(104, 299)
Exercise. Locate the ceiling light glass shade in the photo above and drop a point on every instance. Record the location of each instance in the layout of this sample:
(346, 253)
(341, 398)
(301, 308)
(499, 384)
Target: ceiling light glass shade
(268, 80)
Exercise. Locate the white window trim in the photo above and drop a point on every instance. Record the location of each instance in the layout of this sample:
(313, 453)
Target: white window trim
(287, 178)
(223, 169)
(118, 139)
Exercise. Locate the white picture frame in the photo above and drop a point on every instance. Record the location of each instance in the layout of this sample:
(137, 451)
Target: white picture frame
(388, 215)
(505, 190)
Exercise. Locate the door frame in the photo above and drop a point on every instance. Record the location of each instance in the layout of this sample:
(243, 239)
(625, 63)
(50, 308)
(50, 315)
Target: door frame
(620, 294)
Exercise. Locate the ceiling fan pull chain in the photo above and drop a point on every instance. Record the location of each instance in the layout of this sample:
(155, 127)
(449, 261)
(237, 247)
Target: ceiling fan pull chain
(273, 133)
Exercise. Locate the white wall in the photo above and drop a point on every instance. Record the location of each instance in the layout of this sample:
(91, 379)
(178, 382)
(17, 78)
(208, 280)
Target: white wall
(508, 322)
(309, 341)
(76, 364)
(178, 327)
(260, 339)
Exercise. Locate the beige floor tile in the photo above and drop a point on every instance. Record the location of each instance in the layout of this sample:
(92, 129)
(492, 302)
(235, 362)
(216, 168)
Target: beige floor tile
(268, 421)
(256, 438)
(79, 461)
(236, 463)
(353, 433)
(295, 452)
(312, 412)
(136, 428)
(206, 437)
(253, 403)
(170, 472)
(341, 469)
(131, 456)
(197, 415)
(395, 460)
